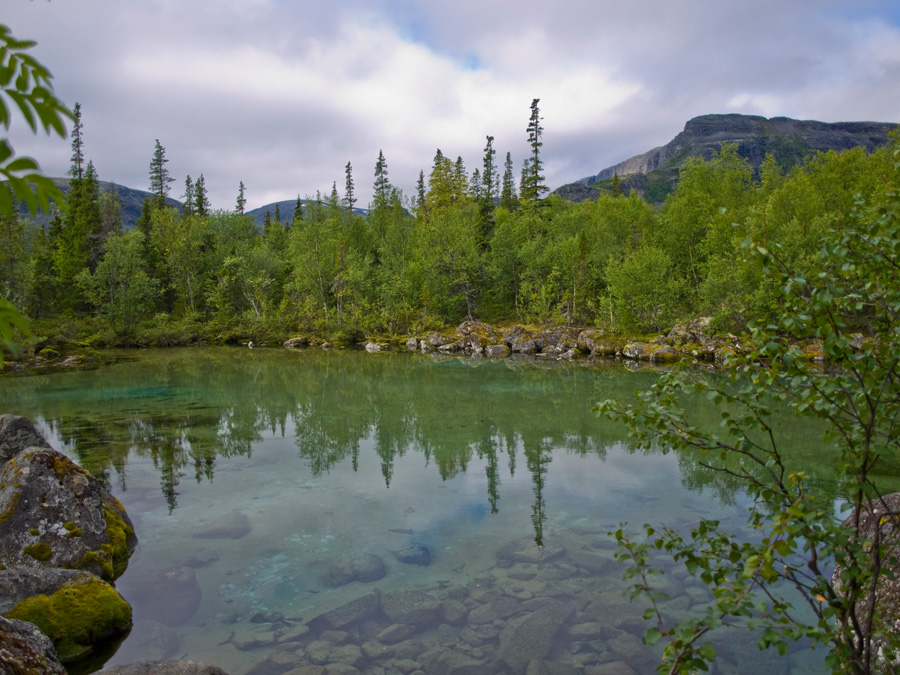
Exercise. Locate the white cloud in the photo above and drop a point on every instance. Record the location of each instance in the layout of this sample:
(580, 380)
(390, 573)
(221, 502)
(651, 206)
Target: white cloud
(280, 95)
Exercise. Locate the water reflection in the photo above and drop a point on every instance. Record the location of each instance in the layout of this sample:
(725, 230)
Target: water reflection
(187, 409)
(332, 455)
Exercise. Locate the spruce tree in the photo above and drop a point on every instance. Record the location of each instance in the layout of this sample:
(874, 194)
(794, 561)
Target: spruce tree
(476, 186)
(382, 183)
(201, 199)
(349, 199)
(508, 198)
(277, 215)
(77, 168)
(159, 175)
(298, 211)
(188, 197)
(532, 186)
(489, 172)
(241, 200)
(420, 192)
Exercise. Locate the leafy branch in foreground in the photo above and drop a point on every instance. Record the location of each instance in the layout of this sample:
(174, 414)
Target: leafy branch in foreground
(840, 575)
(27, 84)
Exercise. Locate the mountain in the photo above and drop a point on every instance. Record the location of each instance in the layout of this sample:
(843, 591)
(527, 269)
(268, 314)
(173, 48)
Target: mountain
(131, 201)
(655, 172)
(286, 210)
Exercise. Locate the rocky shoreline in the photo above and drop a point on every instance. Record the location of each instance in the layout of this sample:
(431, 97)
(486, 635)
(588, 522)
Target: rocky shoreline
(692, 341)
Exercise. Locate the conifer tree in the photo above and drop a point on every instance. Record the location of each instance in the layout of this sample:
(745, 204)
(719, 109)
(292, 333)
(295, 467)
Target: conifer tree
(188, 197)
(159, 175)
(532, 185)
(201, 199)
(476, 186)
(241, 200)
(489, 172)
(349, 199)
(508, 198)
(77, 168)
(277, 215)
(382, 183)
(460, 180)
(298, 211)
(267, 224)
(420, 191)
(616, 185)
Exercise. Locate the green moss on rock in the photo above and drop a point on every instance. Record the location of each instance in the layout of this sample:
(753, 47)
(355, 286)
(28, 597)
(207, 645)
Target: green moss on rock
(40, 552)
(81, 613)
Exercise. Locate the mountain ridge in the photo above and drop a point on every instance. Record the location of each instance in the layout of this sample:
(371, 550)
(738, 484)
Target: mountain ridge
(789, 140)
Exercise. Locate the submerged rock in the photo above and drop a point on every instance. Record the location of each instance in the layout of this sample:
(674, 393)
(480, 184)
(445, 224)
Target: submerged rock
(170, 596)
(53, 513)
(233, 525)
(414, 554)
(149, 641)
(527, 551)
(530, 638)
(347, 614)
(25, 649)
(365, 567)
(412, 607)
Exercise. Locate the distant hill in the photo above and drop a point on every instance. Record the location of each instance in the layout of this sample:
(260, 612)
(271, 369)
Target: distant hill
(286, 210)
(131, 201)
(655, 172)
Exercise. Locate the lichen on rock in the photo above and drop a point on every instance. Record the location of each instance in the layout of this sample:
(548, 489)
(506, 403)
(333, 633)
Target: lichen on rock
(79, 524)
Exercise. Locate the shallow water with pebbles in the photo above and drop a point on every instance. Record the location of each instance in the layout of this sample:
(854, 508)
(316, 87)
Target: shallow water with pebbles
(338, 513)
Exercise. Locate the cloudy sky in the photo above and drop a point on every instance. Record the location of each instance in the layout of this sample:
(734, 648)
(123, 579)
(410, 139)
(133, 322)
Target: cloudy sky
(281, 94)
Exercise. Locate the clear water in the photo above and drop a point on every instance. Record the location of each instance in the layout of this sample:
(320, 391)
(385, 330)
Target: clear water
(330, 455)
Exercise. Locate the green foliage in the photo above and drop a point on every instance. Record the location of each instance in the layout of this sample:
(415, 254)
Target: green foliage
(797, 540)
(646, 291)
(120, 288)
(26, 83)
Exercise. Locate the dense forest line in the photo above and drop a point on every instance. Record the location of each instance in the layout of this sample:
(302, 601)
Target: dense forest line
(479, 245)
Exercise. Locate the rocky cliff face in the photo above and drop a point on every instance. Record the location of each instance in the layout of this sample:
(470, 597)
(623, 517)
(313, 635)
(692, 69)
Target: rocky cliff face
(789, 140)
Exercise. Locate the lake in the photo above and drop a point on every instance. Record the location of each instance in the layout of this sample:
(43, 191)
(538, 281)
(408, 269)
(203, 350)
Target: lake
(381, 513)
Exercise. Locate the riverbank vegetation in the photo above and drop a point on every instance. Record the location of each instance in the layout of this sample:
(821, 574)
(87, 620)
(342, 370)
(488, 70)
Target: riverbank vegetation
(476, 245)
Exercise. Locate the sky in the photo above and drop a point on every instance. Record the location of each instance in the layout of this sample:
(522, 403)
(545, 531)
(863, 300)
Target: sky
(281, 94)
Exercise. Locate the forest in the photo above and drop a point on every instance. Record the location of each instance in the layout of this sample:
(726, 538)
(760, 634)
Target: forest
(477, 245)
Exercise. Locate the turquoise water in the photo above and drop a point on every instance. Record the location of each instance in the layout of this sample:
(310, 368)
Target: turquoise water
(314, 458)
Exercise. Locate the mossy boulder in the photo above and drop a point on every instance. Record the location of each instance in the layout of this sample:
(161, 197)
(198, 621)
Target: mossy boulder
(53, 513)
(298, 342)
(75, 609)
(475, 335)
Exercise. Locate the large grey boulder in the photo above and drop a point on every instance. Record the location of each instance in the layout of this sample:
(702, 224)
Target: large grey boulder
(25, 649)
(16, 434)
(53, 513)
